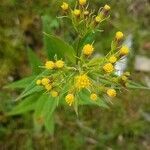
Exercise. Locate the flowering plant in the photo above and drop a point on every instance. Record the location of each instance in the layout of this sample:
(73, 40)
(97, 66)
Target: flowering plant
(74, 75)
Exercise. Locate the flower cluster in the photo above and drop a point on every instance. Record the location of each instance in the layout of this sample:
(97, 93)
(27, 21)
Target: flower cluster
(97, 76)
(83, 18)
(84, 75)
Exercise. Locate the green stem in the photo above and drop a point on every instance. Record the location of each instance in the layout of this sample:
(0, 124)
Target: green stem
(77, 49)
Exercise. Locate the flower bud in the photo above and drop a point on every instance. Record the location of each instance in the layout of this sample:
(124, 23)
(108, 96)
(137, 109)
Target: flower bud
(86, 13)
(111, 93)
(98, 19)
(108, 68)
(88, 49)
(69, 99)
(77, 12)
(119, 36)
(65, 6)
(107, 7)
(59, 64)
(49, 65)
(93, 96)
(112, 59)
(38, 82)
(82, 2)
(124, 51)
(54, 93)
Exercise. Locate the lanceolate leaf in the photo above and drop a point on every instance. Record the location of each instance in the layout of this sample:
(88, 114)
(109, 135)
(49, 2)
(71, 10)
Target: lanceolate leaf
(34, 62)
(50, 124)
(87, 39)
(85, 100)
(44, 110)
(21, 84)
(36, 89)
(32, 85)
(25, 105)
(54, 45)
(133, 85)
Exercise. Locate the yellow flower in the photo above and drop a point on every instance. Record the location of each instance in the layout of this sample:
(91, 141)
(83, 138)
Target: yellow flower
(115, 79)
(77, 12)
(97, 19)
(65, 6)
(127, 74)
(111, 92)
(45, 81)
(124, 51)
(48, 87)
(112, 59)
(88, 49)
(59, 64)
(49, 65)
(54, 93)
(70, 99)
(107, 7)
(82, 81)
(119, 35)
(82, 2)
(124, 78)
(93, 96)
(108, 68)
(86, 12)
(38, 82)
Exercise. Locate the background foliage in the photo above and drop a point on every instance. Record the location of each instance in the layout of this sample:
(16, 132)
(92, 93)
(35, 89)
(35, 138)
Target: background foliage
(124, 126)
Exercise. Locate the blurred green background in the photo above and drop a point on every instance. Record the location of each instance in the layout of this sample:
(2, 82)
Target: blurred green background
(125, 126)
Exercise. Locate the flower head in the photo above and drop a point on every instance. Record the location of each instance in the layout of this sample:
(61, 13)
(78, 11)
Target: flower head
(59, 64)
(107, 7)
(112, 59)
(54, 93)
(86, 12)
(65, 6)
(97, 19)
(124, 78)
(124, 51)
(49, 65)
(127, 74)
(108, 68)
(77, 12)
(93, 96)
(82, 2)
(48, 87)
(38, 82)
(88, 49)
(119, 35)
(82, 81)
(45, 81)
(69, 99)
(111, 92)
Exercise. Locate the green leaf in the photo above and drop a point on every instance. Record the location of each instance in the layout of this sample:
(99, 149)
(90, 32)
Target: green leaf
(32, 91)
(34, 62)
(50, 124)
(133, 85)
(21, 84)
(44, 109)
(30, 88)
(113, 46)
(25, 105)
(40, 105)
(55, 46)
(95, 61)
(87, 39)
(49, 114)
(85, 100)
